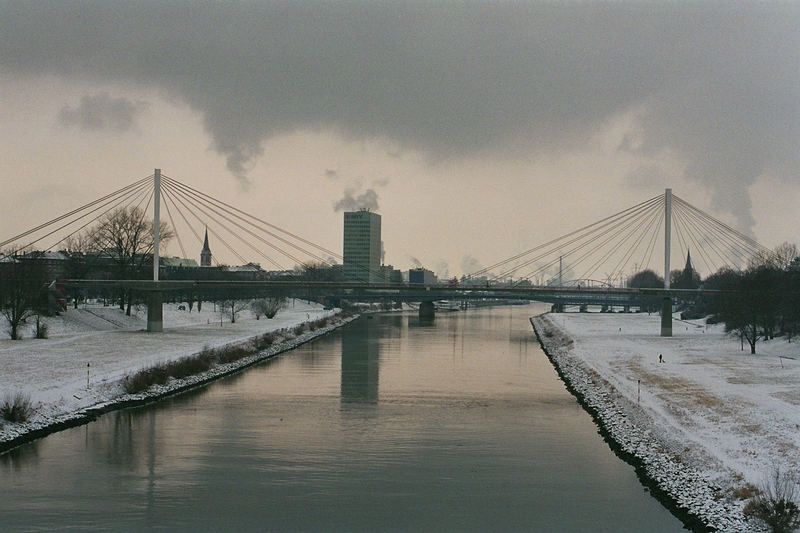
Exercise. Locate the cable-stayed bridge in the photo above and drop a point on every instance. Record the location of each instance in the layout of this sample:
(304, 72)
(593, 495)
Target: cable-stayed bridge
(587, 266)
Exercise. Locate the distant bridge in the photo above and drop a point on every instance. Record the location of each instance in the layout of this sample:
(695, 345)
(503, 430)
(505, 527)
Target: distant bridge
(362, 292)
(609, 248)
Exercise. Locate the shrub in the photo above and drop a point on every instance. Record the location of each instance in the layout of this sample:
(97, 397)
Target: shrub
(16, 408)
(229, 354)
(208, 357)
(775, 504)
(188, 366)
(264, 341)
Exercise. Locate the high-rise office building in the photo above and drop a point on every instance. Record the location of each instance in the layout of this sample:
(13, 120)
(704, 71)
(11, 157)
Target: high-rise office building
(362, 246)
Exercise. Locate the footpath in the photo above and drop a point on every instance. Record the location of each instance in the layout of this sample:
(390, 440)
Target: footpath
(701, 419)
(79, 371)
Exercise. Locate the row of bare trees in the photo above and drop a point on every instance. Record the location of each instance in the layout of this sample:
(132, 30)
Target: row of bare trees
(761, 301)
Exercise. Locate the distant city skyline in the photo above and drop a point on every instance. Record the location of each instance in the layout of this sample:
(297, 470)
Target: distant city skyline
(477, 130)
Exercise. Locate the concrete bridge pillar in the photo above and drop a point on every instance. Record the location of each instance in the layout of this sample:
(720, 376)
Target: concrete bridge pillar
(666, 317)
(155, 312)
(427, 311)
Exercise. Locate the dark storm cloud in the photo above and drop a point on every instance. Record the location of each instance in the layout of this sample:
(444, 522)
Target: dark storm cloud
(719, 82)
(102, 112)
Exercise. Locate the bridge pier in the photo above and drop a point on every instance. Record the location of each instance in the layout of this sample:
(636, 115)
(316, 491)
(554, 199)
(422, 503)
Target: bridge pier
(666, 317)
(427, 311)
(155, 312)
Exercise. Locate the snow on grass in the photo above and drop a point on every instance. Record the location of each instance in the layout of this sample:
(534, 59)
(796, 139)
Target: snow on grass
(725, 416)
(99, 346)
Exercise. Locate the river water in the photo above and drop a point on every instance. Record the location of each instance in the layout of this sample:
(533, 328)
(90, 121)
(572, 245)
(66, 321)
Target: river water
(384, 425)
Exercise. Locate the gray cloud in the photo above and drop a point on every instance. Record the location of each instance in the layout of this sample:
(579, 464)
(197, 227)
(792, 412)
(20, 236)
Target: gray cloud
(331, 174)
(102, 112)
(719, 82)
(351, 201)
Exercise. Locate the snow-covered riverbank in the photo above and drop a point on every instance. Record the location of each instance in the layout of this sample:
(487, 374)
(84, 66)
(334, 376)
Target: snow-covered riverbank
(704, 424)
(78, 372)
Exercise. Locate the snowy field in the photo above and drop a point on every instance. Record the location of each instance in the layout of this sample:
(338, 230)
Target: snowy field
(103, 345)
(719, 415)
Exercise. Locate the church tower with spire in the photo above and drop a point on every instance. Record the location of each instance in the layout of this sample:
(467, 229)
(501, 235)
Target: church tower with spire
(205, 255)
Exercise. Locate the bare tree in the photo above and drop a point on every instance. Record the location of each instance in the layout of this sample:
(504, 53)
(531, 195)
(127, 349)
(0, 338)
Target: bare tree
(267, 307)
(232, 308)
(22, 293)
(780, 258)
(127, 237)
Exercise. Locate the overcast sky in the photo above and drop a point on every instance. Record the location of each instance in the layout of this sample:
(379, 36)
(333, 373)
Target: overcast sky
(476, 129)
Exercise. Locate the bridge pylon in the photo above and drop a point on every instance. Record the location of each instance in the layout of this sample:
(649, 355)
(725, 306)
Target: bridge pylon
(666, 305)
(155, 312)
(427, 311)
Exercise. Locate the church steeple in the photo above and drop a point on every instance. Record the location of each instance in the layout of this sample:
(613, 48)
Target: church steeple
(688, 267)
(205, 255)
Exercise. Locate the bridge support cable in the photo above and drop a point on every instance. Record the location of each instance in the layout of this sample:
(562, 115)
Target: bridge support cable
(581, 232)
(712, 243)
(118, 195)
(746, 241)
(251, 220)
(233, 214)
(622, 231)
(652, 220)
(254, 225)
(174, 227)
(210, 229)
(127, 197)
(648, 252)
(204, 207)
(609, 234)
(74, 211)
(584, 240)
(121, 203)
(221, 212)
(188, 224)
(596, 238)
(739, 248)
(682, 226)
(726, 246)
(617, 239)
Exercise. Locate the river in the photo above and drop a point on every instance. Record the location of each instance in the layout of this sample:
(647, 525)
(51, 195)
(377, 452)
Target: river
(384, 425)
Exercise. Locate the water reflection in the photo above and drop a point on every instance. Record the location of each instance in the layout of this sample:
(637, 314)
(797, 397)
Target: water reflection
(360, 363)
(473, 432)
(23, 456)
